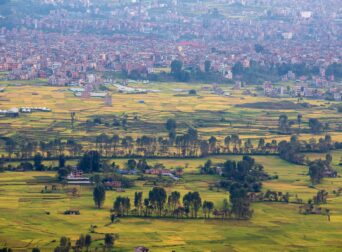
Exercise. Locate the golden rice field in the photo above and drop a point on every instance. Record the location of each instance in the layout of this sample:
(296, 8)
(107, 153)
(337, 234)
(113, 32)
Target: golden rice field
(274, 226)
(210, 114)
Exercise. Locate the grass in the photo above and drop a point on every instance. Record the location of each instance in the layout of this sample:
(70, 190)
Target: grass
(274, 227)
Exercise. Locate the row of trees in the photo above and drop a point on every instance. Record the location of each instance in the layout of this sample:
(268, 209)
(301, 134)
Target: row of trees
(159, 204)
(315, 126)
(186, 145)
(84, 242)
(292, 150)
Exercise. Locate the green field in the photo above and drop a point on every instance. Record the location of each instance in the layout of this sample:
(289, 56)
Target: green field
(274, 226)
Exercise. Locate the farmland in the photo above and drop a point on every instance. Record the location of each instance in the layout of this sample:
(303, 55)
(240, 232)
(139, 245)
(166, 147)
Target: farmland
(210, 114)
(275, 226)
(30, 218)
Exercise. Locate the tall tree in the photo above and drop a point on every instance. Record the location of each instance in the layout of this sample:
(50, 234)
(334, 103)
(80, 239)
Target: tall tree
(37, 160)
(99, 195)
(109, 241)
(87, 241)
(240, 202)
(284, 125)
(138, 201)
(157, 197)
(90, 162)
(299, 121)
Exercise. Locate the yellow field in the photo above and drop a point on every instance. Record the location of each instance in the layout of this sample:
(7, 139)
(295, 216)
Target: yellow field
(204, 112)
(274, 226)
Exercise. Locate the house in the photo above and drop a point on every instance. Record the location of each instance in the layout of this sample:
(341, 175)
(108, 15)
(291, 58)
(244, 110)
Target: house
(113, 185)
(72, 212)
(141, 249)
(13, 112)
(76, 178)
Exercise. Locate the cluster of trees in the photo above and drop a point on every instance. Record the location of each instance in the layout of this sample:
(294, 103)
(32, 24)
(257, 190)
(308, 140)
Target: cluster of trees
(188, 144)
(315, 126)
(257, 72)
(270, 195)
(334, 69)
(26, 149)
(319, 169)
(159, 204)
(313, 205)
(292, 150)
(240, 178)
(84, 242)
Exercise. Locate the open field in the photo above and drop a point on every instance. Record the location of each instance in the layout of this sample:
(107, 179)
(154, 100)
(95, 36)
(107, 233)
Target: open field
(210, 114)
(274, 226)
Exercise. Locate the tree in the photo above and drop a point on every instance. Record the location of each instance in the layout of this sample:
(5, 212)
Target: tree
(157, 197)
(192, 92)
(283, 122)
(115, 141)
(316, 171)
(87, 241)
(64, 245)
(62, 173)
(131, 164)
(142, 165)
(176, 68)
(61, 161)
(10, 146)
(35, 250)
(171, 125)
(299, 121)
(90, 162)
(212, 144)
(207, 66)
(173, 200)
(225, 208)
(208, 206)
(37, 162)
(109, 241)
(227, 141)
(192, 202)
(238, 68)
(240, 201)
(315, 125)
(138, 201)
(80, 243)
(261, 143)
(99, 195)
(258, 48)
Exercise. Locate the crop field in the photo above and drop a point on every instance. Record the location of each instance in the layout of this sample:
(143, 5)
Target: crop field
(274, 226)
(30, 218)
(211, 114)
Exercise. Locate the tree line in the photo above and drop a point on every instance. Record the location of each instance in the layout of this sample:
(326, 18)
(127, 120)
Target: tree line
(159, 204)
